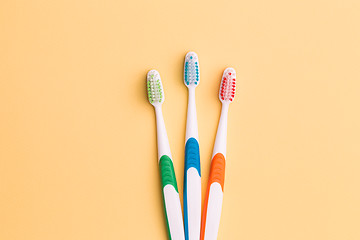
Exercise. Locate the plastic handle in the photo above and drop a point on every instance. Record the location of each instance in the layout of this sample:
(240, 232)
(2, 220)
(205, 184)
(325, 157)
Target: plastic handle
(172, 203)
(192, 190)
(213, 199)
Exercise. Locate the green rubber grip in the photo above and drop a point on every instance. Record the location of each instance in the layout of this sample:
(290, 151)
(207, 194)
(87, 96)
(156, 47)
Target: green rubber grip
(167, 172)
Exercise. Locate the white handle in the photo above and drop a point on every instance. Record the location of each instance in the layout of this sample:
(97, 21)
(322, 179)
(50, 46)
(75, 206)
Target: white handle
(192, 213)
(192, 176)
(214, 206)
(173, 213)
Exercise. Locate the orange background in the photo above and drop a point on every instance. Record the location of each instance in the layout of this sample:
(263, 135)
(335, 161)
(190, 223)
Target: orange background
(77, 135)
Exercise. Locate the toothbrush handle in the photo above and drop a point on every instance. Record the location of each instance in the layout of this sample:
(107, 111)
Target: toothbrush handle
(172, 203)
(192, 190)
(213, 199)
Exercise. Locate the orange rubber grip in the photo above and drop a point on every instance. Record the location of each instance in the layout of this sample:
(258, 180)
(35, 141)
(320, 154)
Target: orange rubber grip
(217, 174)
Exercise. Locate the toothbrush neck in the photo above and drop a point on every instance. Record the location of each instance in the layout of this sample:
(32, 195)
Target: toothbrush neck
(191, 92)
(191, 120)
(162, 138)
(220, 141)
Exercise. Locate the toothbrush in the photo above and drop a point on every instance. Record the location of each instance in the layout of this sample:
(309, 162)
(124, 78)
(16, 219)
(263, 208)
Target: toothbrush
(214, 193)
(170, 191)
(192, 175)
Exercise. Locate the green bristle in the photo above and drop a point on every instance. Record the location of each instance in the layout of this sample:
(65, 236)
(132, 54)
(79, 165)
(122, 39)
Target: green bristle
(155, 92)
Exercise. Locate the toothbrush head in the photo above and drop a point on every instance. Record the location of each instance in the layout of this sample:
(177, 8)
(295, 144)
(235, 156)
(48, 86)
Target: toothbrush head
(191, 70)
(155, 88)
(228, 86)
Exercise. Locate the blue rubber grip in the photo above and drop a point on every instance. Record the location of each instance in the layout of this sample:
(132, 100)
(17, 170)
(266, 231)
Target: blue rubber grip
(192, 159)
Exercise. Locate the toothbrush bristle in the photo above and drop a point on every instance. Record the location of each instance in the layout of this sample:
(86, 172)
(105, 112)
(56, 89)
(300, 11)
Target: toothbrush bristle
(228, 85)
(191, 69)
(154, 87)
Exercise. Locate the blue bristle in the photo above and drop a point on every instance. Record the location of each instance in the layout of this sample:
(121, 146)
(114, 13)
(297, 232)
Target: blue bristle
(191, 70)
